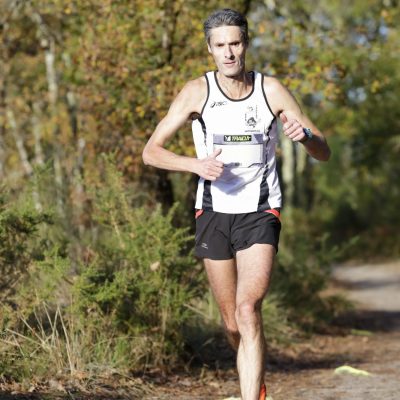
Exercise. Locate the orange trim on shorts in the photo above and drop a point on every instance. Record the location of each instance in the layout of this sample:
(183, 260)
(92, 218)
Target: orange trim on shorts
(198, 213)
(274, 212)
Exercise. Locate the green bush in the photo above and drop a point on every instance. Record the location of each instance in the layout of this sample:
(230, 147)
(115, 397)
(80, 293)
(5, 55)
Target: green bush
(18, 227)
(141, 276)
(123, 303)
(126, 293)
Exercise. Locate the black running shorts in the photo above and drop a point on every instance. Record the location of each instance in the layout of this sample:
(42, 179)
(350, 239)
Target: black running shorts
(219, 236)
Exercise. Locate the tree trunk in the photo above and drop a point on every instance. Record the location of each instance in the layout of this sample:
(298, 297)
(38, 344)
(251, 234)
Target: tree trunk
(26, 165)
(301, 183)
(37, 134)
(53, 95)
(4, 70)
(78, 168)
(2, 125)
(288, 173)
(48, 44)
(23, 154)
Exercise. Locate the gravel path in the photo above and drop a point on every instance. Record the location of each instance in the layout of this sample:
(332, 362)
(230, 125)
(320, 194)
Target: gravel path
(375, 289)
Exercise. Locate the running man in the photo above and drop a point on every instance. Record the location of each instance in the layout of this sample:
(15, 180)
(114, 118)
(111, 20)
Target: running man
(238, 201)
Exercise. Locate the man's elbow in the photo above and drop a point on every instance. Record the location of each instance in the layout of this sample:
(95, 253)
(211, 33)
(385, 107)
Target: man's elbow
(326, 155)
(146, 156)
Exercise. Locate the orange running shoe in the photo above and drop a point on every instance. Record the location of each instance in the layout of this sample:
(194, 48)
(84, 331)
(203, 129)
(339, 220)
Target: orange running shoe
(263, 392)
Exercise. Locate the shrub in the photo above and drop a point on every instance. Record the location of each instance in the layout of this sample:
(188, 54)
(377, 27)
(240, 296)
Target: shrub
(123, 304)
(18, 226)
(141, 276)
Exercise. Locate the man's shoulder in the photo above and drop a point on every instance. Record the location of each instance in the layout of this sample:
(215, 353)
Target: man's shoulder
(279, 96)
(192, 96)
(194, 93)
(272, 84)
(196, 85)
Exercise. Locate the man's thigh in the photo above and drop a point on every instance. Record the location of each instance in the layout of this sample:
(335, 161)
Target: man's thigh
(254, 268)
(222, 277)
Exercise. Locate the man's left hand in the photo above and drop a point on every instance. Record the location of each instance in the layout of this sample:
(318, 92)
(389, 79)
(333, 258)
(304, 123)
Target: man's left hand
(292, 128)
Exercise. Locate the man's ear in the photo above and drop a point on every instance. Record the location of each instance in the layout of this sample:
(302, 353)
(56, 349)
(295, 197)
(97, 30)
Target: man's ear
(209, 47)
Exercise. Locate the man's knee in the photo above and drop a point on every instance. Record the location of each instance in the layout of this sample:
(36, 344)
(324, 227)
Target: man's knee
(247, 314)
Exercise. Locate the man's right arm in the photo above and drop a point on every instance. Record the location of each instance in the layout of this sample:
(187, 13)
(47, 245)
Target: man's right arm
(189, 100)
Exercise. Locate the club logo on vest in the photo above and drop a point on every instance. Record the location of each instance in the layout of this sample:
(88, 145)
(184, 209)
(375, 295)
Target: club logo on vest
(251, 117)
(218, 103)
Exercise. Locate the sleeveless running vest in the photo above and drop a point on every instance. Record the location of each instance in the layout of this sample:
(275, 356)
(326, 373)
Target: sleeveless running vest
(246, 132)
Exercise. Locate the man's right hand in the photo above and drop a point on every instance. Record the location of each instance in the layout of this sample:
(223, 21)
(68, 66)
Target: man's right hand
(210, 168)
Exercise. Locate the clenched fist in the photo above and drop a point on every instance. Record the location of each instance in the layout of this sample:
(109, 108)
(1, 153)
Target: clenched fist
(292, 128)
(210, 168)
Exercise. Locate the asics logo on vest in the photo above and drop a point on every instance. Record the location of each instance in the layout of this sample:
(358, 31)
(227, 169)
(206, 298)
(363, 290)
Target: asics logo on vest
(218, 104)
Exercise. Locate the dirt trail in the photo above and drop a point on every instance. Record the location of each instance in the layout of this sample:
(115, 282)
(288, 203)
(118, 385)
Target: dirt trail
(307, 371)
(375, 289)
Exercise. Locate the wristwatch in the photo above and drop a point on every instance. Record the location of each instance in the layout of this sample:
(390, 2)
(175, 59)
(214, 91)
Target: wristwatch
(308, 135)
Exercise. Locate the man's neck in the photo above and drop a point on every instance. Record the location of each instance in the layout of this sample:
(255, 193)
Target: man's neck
(238, 86)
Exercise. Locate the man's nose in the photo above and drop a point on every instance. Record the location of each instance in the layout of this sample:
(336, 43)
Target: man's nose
(229, 53)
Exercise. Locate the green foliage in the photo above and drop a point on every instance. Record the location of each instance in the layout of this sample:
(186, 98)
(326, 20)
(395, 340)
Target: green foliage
(141, 276)
(123, 304)
(18, 226)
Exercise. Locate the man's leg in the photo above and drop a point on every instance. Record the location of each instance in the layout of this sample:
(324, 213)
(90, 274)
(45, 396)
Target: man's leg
(254, 266)
(222, 276)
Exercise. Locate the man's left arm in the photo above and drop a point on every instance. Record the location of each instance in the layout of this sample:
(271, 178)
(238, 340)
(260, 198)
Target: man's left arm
(296, 125)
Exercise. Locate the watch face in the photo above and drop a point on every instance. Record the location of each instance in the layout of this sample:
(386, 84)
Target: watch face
(308, 133)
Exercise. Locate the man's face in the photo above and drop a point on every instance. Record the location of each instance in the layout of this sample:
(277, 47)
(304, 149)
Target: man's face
(228, 50)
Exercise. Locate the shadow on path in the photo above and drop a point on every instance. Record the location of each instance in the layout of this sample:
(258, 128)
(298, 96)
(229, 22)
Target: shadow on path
(305, 362)
(217, 356)
(370, 320)
(375, 290)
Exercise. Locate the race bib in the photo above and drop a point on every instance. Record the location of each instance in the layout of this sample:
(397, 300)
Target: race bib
(240, 150)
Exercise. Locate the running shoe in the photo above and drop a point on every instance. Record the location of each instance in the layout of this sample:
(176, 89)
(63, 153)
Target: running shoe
(263, 392)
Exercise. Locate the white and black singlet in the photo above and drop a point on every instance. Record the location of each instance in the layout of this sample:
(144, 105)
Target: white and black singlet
(246, 131)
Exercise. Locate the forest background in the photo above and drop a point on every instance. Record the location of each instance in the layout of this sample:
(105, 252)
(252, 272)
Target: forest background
(97, 272)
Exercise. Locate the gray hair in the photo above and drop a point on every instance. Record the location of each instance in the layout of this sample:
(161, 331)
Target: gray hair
(226, 17)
